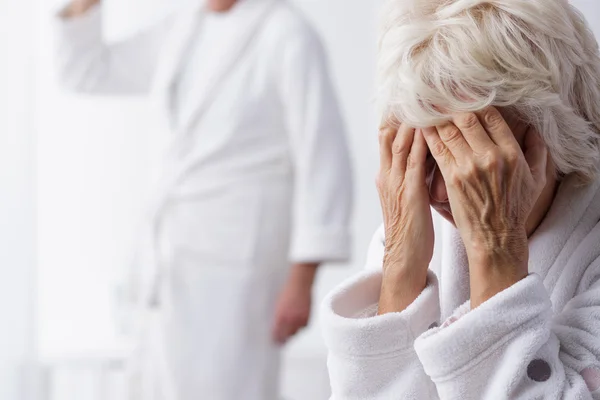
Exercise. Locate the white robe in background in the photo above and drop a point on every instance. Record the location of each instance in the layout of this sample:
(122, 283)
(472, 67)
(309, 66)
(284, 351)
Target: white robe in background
(539, 339)
(257, 177)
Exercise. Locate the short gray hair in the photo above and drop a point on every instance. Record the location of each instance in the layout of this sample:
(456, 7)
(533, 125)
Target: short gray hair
(536, 57)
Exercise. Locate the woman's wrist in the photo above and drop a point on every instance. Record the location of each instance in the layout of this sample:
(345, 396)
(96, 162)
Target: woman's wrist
(401, 284)
(496, 269)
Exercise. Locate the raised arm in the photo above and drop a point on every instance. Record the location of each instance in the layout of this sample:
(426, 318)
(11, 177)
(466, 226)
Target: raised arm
(87, 64)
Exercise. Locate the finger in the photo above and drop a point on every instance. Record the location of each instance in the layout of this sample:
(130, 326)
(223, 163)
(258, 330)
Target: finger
(536, 154)
(280, 333)
(275, 334)
(416, 165)
(288, 331)
(473, 132)
(401, 149)
(498, 129)
(438, 149)
(454, 141)
(389, 120)
(278, 329)
(518, 126)
(387, 134)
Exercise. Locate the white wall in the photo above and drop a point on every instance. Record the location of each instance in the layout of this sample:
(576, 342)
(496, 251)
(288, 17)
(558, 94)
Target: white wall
(591, 10)
(17, 236)
(94, 157)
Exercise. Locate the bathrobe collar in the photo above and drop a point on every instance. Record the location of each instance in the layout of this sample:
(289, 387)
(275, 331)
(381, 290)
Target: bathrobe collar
(247, 18)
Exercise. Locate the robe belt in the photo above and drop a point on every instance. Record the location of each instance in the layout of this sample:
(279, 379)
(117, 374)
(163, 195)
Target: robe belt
(159, 260)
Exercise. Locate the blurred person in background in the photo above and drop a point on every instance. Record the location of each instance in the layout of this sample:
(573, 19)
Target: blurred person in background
(257, 177)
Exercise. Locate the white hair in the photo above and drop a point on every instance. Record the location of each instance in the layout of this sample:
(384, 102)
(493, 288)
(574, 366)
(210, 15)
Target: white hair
(536, 57)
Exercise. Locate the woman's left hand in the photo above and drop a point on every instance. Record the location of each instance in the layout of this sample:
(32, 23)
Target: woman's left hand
(492, 187)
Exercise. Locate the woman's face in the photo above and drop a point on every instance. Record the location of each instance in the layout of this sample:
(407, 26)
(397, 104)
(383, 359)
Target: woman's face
(220, 5)
(438, 195)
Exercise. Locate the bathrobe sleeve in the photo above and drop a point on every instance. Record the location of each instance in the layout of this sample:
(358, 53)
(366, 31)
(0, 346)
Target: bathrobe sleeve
(373, 357)
(322, 171)
(86, 64)
(511, 347)
(514, 347)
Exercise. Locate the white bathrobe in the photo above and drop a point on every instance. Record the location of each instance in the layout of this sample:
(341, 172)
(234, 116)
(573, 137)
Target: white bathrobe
(539, 339)
(257, 177)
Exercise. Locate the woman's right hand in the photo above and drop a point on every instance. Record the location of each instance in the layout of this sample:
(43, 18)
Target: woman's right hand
(404, 195)
(78, 7)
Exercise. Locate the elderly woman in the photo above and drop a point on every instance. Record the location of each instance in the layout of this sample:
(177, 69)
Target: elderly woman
(498, 104)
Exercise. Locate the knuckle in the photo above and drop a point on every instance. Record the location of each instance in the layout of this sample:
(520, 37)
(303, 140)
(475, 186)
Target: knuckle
(453, 134)
(492, 164)
(389, 121)
(399, 148)
(491, 161)
(468, 121)
(455, 180)
(468, 170)
(512, 157)
(492, 117)
(386, 133)
(439, 149)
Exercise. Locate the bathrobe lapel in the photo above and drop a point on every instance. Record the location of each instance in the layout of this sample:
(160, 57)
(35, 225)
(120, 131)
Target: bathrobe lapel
(246, 18)
(569, 222)
(172, 56)
(454, 273)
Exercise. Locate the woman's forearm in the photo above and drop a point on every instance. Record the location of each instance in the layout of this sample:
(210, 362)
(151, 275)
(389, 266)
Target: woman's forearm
(496, 269)
(400, 288)
(409, 235)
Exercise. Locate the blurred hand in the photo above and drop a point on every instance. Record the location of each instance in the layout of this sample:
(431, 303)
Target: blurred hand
(292, 312)
(78, 7)
(408, 222)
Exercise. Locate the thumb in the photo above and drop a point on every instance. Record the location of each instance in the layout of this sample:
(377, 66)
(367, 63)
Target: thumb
(536, 154)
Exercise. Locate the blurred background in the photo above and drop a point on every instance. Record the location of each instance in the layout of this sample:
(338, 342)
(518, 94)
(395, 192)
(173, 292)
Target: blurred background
(73, 173)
